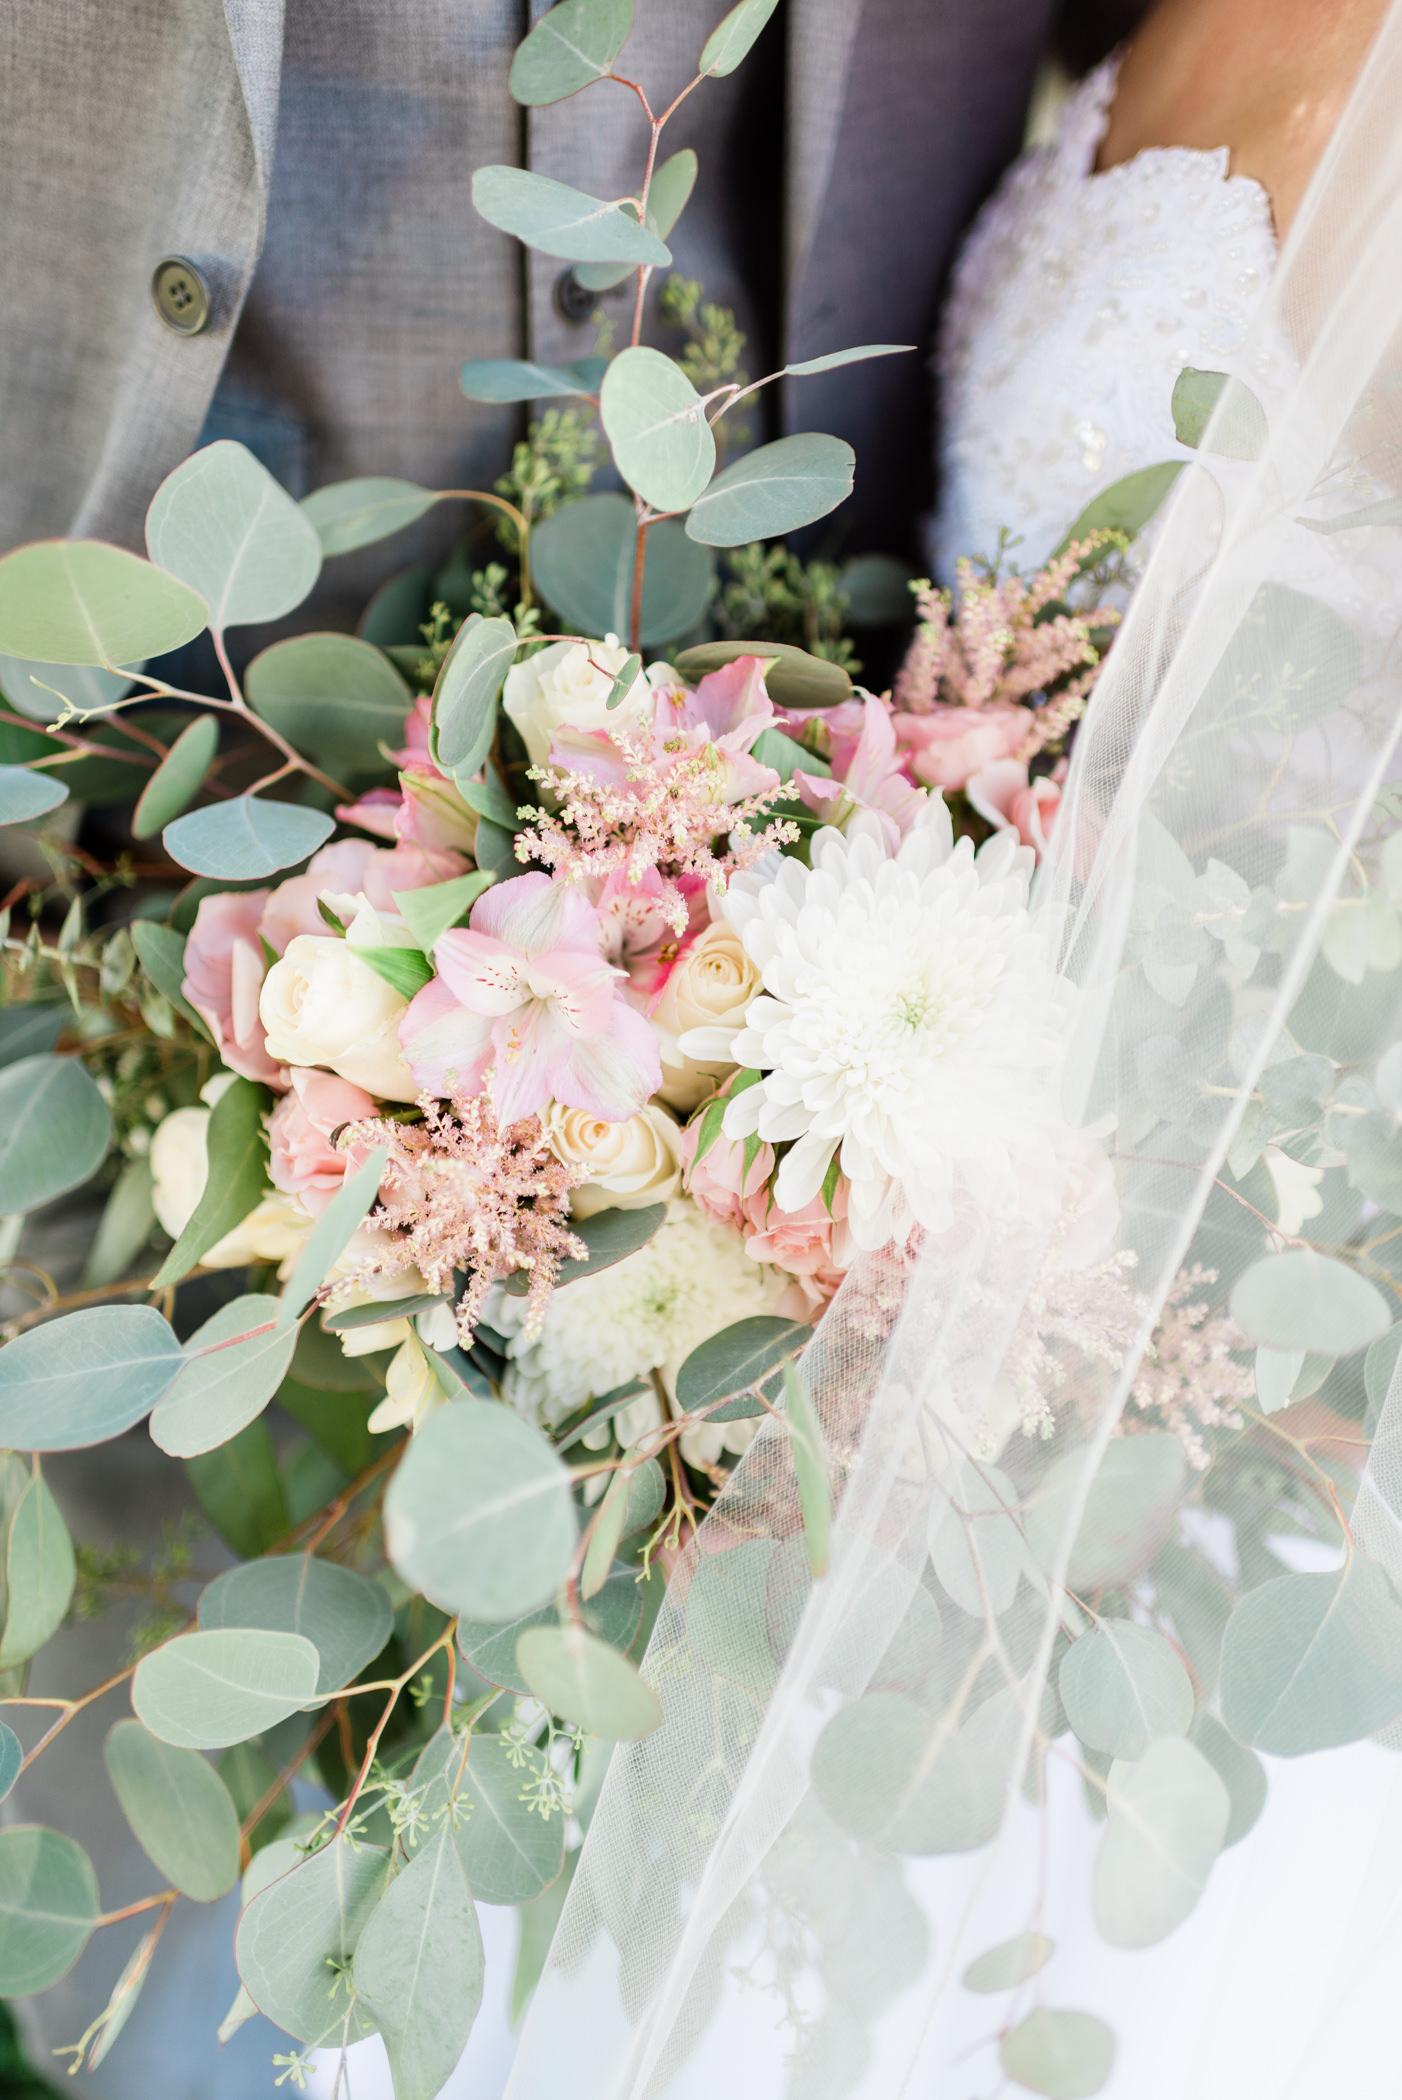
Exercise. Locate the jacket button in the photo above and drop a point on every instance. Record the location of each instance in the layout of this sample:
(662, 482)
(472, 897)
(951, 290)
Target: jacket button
(181, 295)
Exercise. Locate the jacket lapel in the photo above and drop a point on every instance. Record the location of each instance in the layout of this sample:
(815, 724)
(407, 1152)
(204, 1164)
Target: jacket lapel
(255, 33)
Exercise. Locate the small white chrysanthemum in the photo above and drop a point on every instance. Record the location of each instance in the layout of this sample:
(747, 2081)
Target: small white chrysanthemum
(906, 1019)
(648, 1312)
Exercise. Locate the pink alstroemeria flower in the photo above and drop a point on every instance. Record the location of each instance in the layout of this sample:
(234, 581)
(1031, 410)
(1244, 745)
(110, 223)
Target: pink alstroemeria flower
(870, 772)
(523, 991)
(636, 933)
(426, 808)
(722, 716)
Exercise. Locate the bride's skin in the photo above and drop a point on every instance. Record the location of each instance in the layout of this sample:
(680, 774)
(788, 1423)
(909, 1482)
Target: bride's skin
(1267, 78)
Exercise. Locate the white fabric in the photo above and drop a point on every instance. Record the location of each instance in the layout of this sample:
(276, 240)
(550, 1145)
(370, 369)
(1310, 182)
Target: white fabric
(1077, 301)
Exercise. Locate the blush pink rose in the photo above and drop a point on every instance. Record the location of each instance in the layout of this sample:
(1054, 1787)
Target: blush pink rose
(224, 969)
(945, 746)
(1005, 797)
(719, 1183)
(352, 867)
(812, 1244)
(304, 1161)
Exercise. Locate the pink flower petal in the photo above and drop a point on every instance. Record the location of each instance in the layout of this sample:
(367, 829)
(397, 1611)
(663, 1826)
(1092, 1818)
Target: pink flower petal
(448, 1047)
(533, 913)
(531, 1050)
(579, 987)
(484, 974)
(613, 1075)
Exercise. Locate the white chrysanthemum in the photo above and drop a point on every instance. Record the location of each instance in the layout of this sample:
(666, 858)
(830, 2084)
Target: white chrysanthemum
(905, 1021)
(648, 1312)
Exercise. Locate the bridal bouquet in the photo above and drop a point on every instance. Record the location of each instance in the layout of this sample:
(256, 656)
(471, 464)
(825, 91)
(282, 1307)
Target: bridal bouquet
(540, 1037)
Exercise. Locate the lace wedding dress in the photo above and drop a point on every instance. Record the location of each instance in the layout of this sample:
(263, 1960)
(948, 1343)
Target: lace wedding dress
(871, 1853)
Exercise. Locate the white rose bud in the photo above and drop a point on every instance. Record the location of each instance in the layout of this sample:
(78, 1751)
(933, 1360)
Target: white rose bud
(566, 687)
(274, 1229)
(711, 987)
(322, 1004)
(631, 1164)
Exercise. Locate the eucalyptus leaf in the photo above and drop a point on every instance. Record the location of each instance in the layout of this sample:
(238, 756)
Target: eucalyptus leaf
(608, 1530)
(179, 1809)
(733, 38)
(737, 1358)
(1166, 1823)
(479, 1516)
(1128, 1510)
(240, 1490)
(610, 1235)
(773, 490)
(1123, 1686)
(465, 696)
(574, 44)
(728, 1613)
(299, 1924)
(375, 1315)
(431, 913)
(345, 1616)
(84, 1378)
(811, 1466)
(1307, 1301)
(11, 1758)
(35, 689)
(55, 1128)
(48, 1907)
(976, 1540)
(655, 421)
(161, 953)
(222, 524)
(178, 778)
(1310, 1661)
(794, 678)
(1387, 512)
(1063, 2055)
(31, 1031)
(418, 1967)
(25, 794)
(520, 379)
(204, 1691)
(233, 1366)
(858, 354)
(1240, 1771)
(1002, 1968)
(39, 1573)
(85, 602)
(332, 1234)
(236, 1145)
(582, 561)
(614, 1613)
(876, 589)
(246, 838)
(349, 514)
(1241, 432)
(672, 183)
(1127, 505)
(336, 698)
(584, 1680)
(894, 1777)
(546, 215)
(509, 1852)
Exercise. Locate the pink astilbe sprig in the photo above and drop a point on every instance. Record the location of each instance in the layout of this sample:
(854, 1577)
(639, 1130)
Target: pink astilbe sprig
(992, 642)
(460, 1191)
(1190, 1379)
(650, 811)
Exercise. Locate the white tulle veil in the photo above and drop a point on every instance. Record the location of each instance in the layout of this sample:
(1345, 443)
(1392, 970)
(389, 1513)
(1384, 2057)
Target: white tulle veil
(867, 1783)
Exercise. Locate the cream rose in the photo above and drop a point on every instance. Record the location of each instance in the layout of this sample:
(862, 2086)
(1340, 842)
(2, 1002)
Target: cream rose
(711, 987)
(322, 1004)
(566, 687)
(631, 1164)
(274, 1229)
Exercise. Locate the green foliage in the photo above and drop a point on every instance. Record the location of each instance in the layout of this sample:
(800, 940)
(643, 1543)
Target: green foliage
(976, 1539)
(233, 1366)
(236, 1144)
(581, 1677)
(350, 514)
(465, 697)
(775, 489)
(1128, 1509)
(610, 1236)
(1241, 432)
(655, 421)
(479, 1516)
(1063, 2055)
(770, 595)
(296, 1941)
(1313, 1660)
(735, 1360)
(1003, 1968)
(1123, 1687)
(244, 839)
(1167, 1819)
(795, 678)
(560, 221)
(209, 1689)
(552, 465)
(583, 558)
(39, 1565)
(714, 345)
(503, 379)
(328, 1238)
(48, 1907)
(85, 1377)
(891, 1775)
(24, 794)
(83, 602)
(332, 696)
(493, 1793)
(345, 1616)
(733, 38)
(224, 526)
(569, 48)
(239, 1489)
(1307, 1301)
(55, 1128)
(418, 1967)
(179, 1810)
(178, 778)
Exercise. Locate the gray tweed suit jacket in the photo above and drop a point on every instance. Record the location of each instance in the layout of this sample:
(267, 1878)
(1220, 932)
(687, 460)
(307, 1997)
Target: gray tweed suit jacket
(314, 158)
